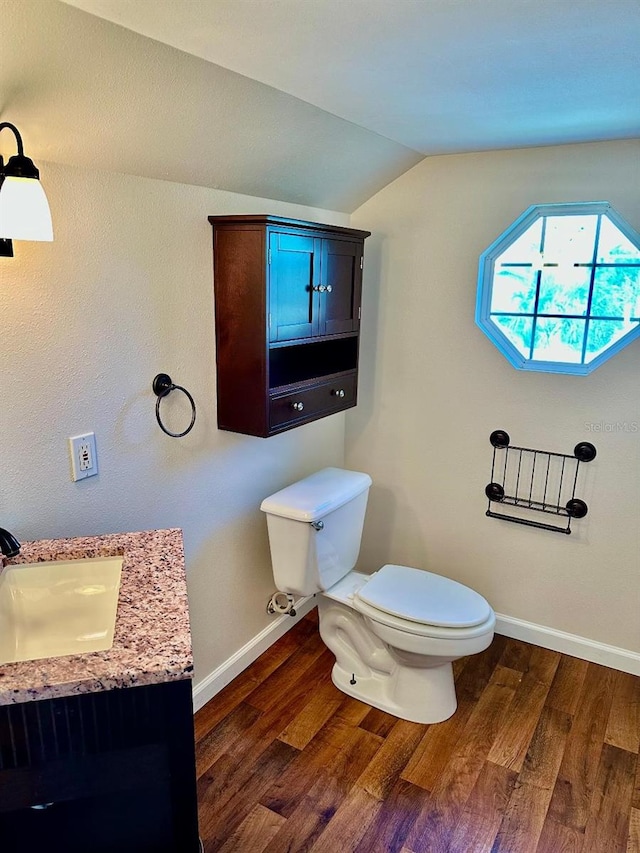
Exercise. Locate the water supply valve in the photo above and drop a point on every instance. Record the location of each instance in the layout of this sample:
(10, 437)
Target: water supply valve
(281, 602)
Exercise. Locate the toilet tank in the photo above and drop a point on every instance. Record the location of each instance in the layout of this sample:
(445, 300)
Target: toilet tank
(315, 529)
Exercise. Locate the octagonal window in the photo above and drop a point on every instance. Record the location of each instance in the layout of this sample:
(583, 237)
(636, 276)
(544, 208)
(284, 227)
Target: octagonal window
(559, 291)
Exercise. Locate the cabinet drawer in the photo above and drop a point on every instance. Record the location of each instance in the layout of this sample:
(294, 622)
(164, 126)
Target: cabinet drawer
(312, 401)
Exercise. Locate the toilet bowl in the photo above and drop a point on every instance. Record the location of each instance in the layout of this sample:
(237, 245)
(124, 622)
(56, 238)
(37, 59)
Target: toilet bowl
(400, 665)
(394, 633)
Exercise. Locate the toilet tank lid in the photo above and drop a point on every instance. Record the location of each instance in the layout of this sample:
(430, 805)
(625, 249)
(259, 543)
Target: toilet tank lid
(318, 495)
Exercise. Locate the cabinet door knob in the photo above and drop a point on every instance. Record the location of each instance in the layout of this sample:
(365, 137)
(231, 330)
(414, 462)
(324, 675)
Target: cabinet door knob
(297, 406)
(322, 288)
(338, 392)
(329, 288)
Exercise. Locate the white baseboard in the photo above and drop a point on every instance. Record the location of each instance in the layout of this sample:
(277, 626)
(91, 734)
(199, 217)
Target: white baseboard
(568, 644)
(213, 683)
(517, 629)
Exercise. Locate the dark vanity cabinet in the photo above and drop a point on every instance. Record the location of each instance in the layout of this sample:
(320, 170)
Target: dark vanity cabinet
(100, 773)
(287, 306)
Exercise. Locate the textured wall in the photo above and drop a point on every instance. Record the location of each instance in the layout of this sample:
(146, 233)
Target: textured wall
(433, 387)
(124, 292)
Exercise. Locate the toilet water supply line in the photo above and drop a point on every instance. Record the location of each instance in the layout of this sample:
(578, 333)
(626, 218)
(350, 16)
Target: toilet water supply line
(281, 602)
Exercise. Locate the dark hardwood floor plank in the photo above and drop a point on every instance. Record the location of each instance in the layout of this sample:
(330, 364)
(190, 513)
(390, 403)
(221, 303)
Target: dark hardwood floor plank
(390, 827)
(274, 721)
(516, 655)
(342, 750)
(221, 811)
(546, 750)
(623, 726)
(474, 678)
(334, 780)
(433, 828)
(271, 690)
(378, 722)
(558, 838)
(348, 825)
(435, 748)
(524, 817)
(254, 833)
(635, 800)
(480, 821)
(566, 688)
(522, 824)
(324, 702)
(384, 768)
(245, 683)
(571, 799)
(218, 740)
(234, 768)
(438, 744)
(458, 665)
(314, 811)
(352, 712)
(512, 742)
(633, 839)
(608, 824)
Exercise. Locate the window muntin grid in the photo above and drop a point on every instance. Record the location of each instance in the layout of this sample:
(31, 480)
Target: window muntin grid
(561, 287)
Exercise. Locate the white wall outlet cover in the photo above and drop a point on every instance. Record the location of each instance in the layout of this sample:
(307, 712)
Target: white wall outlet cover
(82, 453)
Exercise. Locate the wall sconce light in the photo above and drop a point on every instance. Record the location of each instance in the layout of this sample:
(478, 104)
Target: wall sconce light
(24, 209)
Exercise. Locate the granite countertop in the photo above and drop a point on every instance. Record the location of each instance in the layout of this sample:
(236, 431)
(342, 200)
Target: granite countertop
(152, 641)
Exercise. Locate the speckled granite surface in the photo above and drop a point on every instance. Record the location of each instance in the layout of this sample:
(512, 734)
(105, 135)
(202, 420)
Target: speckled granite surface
(152, 642)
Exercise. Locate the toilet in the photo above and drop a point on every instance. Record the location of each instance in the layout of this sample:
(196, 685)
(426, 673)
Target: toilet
(394, 633)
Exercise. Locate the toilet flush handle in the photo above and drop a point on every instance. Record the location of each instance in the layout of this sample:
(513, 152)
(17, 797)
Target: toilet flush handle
(317, 525)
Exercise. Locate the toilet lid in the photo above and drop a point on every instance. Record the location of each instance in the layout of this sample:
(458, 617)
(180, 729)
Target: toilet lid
(424, 597)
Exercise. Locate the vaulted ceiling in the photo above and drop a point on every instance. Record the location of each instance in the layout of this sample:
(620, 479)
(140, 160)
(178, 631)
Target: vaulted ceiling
(320, 102)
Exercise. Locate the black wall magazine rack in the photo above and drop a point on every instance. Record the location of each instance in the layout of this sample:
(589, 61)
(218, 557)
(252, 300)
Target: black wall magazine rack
(536, 480)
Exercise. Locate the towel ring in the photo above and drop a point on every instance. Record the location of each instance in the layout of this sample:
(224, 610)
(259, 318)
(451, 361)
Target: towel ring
(162, 386)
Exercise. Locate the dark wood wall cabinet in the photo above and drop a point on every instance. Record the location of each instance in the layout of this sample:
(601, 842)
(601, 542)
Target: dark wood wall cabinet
(287, 306)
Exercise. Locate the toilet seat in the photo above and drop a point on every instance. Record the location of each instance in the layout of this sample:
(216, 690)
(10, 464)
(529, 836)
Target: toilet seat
(420, 629)
(423, 603)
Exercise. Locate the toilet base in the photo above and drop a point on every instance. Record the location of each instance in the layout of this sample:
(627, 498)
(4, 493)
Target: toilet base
(418, 695)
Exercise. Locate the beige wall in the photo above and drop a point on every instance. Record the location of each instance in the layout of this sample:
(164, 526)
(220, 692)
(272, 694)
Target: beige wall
(125, 292)
(433, 387)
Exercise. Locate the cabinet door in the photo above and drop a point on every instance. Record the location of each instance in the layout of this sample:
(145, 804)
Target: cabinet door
(294, 279)
(340, 286)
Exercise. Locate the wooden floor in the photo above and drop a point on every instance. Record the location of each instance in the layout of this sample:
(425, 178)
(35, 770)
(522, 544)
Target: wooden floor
(541, 755)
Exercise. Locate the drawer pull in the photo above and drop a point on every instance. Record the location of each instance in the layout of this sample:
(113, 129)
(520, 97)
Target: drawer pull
(338, 392)
(297, 406)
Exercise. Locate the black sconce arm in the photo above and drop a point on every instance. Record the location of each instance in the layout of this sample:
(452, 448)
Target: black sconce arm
(17, 166)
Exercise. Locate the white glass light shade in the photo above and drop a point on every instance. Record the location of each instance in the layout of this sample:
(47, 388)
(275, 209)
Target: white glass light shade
(24, 210)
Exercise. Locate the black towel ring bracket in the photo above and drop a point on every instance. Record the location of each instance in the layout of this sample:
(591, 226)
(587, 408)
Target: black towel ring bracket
(162, 387)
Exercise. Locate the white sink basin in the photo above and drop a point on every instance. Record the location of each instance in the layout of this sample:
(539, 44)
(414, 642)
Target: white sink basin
(58, 608)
